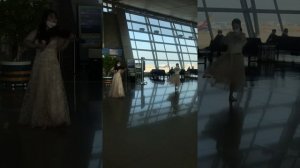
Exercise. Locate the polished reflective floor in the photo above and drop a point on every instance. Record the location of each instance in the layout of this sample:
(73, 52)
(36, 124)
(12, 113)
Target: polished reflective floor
(76, 146)
(153, 126)
(261, 130)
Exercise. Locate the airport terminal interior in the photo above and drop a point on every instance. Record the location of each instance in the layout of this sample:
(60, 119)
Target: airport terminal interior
(137, 90)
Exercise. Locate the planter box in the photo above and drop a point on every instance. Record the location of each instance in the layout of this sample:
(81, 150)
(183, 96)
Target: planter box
(15, 73)
(107, 81)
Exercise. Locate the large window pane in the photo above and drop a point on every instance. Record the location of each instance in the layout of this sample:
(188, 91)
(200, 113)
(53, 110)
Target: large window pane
(170, 47)
(163, 65)
(153, 21)
(190, 42)
(135, 55)
(158, 38)
(264, 4)
(155, 30)
(172, 56)
(161, 56)
(133, 44)
(178, 26)
(193, 57)
(160, 47)
(145, 54)
(139, 27)
(185, 56)
(267, 22)
(167, 32)
(127, 16)
(129, 25)
(131, 35)
(184, 49)
(137, 18)
(143, 45)
(168, 39)
(165, 24)
(288, 4)
(192, 50)
(292, 23)
(141, 36)
(180, 34)
(149, 65)
(186, 28)
(188, 35)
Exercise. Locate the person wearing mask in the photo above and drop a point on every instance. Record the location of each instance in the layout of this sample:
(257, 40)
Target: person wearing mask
(175, 79)
(45, 103)
(117, 89)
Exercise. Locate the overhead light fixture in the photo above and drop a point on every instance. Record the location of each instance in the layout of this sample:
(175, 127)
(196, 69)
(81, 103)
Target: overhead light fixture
(156, 32)
(191, 37)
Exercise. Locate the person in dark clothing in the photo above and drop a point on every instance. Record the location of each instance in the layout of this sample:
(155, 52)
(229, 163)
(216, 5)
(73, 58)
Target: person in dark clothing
(216, 44)
(272, 39)
(285, 33)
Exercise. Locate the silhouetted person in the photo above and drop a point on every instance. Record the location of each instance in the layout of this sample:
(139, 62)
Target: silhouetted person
(217, 43)
(171, 71)
(272, 39)
(285, 33)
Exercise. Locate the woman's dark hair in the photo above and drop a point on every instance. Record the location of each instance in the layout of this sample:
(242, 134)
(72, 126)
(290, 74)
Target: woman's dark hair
(237, 21)
(118, 67)
(46, 34)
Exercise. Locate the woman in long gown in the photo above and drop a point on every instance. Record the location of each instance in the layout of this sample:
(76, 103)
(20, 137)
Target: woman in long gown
(229, 68)
(45, 102)
(117, 89)
(175, 78)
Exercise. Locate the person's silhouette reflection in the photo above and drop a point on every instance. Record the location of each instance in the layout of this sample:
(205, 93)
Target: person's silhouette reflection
(174, 99)
(226, 128)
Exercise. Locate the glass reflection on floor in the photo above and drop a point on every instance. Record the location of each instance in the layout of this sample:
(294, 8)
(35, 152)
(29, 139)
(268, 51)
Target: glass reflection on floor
(262, 130)
(159, 101)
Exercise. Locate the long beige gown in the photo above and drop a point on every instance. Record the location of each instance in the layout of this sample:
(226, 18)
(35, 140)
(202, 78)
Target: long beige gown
(45, 102)
(229, 67)
(117, 89)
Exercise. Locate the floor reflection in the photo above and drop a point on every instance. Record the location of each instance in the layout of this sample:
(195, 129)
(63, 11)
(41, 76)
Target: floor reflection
(263, 128)
(153, 126)
(76, 146)
(159, 101)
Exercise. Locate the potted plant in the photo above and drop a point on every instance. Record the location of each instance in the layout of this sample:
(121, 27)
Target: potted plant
(17, 19)
(108, 63)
